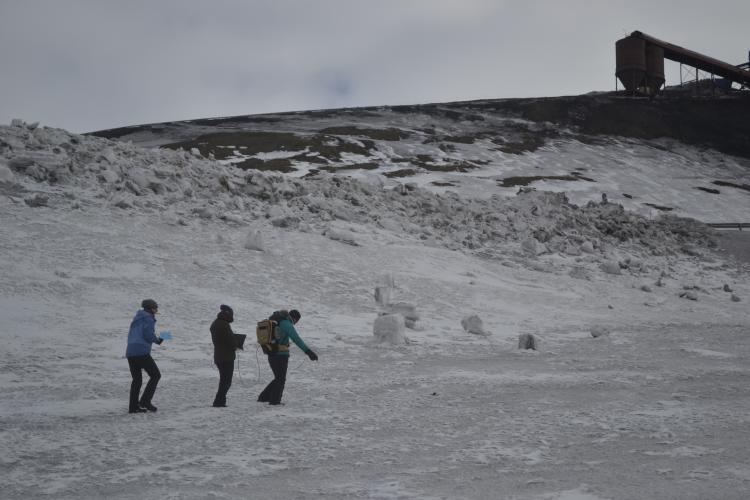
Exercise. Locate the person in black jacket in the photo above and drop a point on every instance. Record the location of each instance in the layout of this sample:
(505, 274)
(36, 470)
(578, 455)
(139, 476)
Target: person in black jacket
(224, 352)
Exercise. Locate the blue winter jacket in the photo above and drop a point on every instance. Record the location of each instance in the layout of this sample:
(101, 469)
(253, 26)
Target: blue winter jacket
(141, 334)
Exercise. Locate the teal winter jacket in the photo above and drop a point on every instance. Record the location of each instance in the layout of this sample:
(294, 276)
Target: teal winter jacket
(287, 332)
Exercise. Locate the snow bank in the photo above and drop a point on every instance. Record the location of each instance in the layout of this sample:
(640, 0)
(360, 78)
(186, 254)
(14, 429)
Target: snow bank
(529, 229)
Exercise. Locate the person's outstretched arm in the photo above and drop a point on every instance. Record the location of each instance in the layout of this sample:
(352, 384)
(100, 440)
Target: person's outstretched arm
(289, 329)
(149, 335)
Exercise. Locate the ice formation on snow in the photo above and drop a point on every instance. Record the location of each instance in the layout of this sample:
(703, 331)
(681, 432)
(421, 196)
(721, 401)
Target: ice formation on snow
(383, 295)
(528, 341)
(599, 331)
(254, 241)
(390, 328)
(473, 324)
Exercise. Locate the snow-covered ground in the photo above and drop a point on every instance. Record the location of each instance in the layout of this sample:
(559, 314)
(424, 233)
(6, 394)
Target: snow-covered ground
(655, 407)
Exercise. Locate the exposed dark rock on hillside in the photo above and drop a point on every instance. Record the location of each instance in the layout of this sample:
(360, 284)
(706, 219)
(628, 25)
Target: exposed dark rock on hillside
(719, 122)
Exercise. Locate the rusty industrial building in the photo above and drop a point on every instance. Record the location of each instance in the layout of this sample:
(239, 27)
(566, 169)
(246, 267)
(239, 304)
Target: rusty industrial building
(640, 64)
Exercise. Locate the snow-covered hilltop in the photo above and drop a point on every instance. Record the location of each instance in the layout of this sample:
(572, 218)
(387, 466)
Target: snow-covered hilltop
(636, 389)
(689, 157)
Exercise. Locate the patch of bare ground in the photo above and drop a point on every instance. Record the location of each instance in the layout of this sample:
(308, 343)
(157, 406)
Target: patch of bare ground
(253, 142)
(328, 146)
(659, 207)
(352, 166)
(526, 180)
(431, 164)
(463, 166)
(274, 165)
(405, 172)
(745, 187)
(387, 134)
(114, 133)
(718, 122)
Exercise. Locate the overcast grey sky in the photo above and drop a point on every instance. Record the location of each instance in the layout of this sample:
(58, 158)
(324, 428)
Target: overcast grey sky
(85, 65)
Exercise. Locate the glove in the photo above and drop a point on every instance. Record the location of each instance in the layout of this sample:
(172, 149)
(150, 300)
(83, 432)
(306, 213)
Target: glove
(159, 340)
(311, 355)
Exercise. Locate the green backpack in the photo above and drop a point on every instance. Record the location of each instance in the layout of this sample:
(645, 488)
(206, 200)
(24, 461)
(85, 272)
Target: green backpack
(266, 331)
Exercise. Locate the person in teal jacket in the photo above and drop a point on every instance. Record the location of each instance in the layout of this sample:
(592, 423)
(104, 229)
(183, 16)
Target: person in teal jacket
(278, 354)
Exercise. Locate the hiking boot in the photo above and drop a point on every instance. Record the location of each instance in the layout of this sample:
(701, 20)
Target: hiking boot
(137, 410)
(148, 406)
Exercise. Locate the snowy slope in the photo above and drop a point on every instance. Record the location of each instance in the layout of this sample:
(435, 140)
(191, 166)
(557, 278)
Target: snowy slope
(654, 408)
(688, 157)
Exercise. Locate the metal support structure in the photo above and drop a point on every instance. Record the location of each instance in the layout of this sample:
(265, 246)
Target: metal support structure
(687, 73)
(641, 57)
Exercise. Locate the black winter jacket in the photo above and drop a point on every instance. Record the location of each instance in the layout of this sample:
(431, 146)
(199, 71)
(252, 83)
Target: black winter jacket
(223, 338)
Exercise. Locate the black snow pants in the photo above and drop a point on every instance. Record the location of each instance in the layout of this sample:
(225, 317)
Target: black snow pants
(226, 370)
(138, 363)
(274, 390)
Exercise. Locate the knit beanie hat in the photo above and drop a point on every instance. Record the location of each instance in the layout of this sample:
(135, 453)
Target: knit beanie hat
(149, 304)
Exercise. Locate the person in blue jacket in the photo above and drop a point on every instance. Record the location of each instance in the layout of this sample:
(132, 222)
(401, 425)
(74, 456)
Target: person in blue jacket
(278, 354)
(140, 338)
